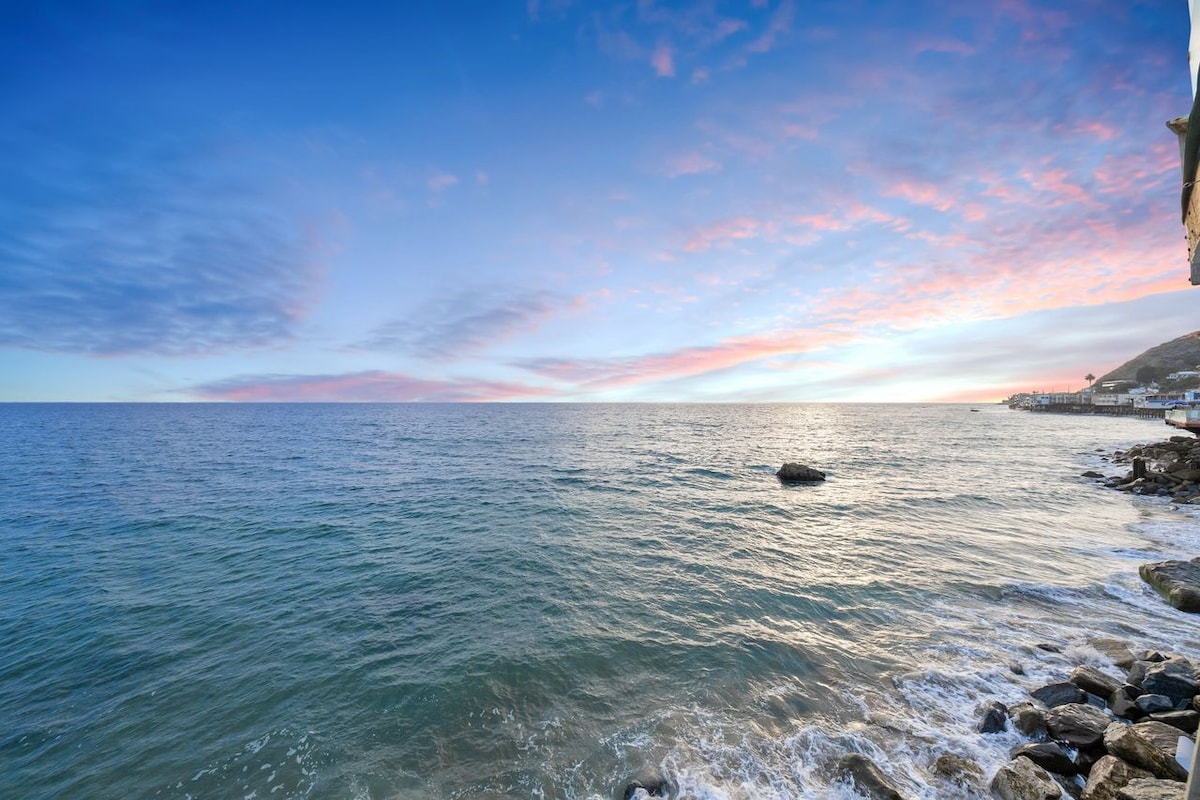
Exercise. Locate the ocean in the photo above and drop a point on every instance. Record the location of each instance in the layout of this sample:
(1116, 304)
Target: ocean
(478, 601)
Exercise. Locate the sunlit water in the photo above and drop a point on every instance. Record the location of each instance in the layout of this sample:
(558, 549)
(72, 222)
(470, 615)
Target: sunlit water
(426, 601)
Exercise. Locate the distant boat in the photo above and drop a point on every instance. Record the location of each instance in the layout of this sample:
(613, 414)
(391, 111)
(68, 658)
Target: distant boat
(974, 409)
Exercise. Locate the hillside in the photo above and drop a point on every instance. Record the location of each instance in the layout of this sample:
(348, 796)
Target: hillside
(1177, 354)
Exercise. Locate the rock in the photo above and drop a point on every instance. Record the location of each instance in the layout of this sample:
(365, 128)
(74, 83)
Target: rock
(1049, 648)
(1115, 649)
(1148, 745)
(1122, 702)
(1093, 680)
(866, 777)
(1186, 721)
(1091, 473)
(957, 769)
(1175, 679)
(1028, 719)
(995, 718)
(1154, 703)
(1151, 789)
(1021, 779)
(1108, 776)
(1080, 726)
(1059, 694)
(1177, 581)
(649, 783)
(1047, 755)
(792, 472)
(1186, 474)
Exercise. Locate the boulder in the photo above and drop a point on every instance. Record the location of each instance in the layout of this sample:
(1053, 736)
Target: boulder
(1175, 678)
(958, 769)
(1047, 755)
(1093, 680)
(1151, 789)
(792, 472)
(1177, 581)
(1148, 745)
(1021, 779)
(1108, 776)
(1186, 721)
(1123, 702)
(867, 778)
(1059, 694)
(1154, 703)
(1028, 719)
(1115, 649)
(649, 783)
(1078, 725)
(994, 719)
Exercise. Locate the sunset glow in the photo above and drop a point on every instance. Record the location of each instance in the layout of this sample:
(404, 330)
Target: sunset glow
(553, 200)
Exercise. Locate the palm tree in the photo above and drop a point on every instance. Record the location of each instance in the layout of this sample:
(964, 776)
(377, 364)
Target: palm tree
(1089, 378)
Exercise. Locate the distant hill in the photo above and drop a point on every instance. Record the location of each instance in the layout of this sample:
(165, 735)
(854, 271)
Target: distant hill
(1168, 357)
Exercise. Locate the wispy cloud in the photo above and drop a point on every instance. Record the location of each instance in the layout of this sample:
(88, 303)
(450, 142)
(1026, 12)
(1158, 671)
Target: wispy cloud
(663, 61)
(779, 26)
(374, 386)
(131, 252)
(467, 323)
(440, 181)
(691, 163)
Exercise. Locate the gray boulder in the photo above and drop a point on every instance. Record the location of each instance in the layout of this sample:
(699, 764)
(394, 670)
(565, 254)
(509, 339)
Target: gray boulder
(1021, 779)
(1059, 694)
(1047, 755)
(792, 472)
(1148, 745)
(1175, 678)
(1186, 721)
(1078, 725)
(1115, 649)
(1123, 702)
(994, 719)
(1028, 719)
(1177, 581)
(867, 778)
(1154, 703)
(1151, 789)
(1093, 680)
(1108, 776)
(958, 769)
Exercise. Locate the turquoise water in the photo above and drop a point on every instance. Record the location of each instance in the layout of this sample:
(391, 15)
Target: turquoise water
(428, 601)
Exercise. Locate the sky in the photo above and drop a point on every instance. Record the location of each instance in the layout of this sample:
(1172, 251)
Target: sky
(548, 200)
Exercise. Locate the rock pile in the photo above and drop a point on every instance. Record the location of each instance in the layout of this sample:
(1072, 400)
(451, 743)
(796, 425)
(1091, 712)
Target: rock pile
(1167, 469)
(1097, 737)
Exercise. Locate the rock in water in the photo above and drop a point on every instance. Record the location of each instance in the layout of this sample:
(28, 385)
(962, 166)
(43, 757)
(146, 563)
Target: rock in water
(1093, 680)
(792, 472)
(1047, 755)
(1173, 679)
(1177, 581)
(1059, 694)
(1080, 726)
(995, 718)
(1021, 779)
(867, 778)
(648, 784)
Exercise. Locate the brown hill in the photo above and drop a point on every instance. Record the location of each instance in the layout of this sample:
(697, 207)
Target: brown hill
(1172, 356)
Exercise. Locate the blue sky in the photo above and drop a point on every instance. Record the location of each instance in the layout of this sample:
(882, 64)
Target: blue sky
(549, 200)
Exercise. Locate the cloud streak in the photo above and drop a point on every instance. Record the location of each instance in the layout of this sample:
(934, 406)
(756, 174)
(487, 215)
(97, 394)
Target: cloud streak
(372, 386)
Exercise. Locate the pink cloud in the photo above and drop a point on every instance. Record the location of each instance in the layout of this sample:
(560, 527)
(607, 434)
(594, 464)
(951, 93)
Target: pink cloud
(1055, 181)
(684, 362)
(922, 194)
(700, 75)
(779, 25)
(371, 386)
(692, 163)
(723, 232)
(662, 59)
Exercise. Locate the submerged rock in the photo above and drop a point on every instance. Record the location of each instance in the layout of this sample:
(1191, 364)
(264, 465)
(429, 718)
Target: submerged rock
(792, 472)
(958, 769)
(648, 784)
(1177, 581)
(995, 718)
(867, 778)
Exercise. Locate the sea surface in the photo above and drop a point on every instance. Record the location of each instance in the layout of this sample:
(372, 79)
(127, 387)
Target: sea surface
(478, 601)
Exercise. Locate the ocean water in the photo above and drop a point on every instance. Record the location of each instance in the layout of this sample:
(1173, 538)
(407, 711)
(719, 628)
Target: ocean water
(476, 601)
